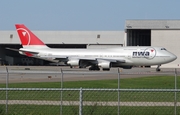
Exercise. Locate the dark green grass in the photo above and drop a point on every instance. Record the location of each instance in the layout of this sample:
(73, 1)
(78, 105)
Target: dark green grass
(96, 96)
(154, 82)
(87, 110)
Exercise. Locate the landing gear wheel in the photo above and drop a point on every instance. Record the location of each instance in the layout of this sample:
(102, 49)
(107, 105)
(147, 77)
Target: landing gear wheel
(94, 68)
(106, 69)
(158, 68)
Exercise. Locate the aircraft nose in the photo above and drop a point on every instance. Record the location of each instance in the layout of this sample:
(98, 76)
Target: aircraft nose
(173, 57)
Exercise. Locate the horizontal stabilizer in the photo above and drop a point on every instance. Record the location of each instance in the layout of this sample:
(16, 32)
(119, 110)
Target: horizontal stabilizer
(18, 50)
(27, 53)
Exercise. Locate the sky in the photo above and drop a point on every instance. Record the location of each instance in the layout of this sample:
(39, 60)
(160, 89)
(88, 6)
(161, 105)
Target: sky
(83, 15)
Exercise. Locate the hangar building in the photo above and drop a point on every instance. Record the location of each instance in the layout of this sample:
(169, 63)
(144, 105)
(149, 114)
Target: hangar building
(163, 33)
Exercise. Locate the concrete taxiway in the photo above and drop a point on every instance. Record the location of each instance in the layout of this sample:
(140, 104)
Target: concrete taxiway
(55, 73)
(89, 103)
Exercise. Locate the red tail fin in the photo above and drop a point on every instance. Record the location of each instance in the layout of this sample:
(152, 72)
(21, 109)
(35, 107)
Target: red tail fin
(27, 37)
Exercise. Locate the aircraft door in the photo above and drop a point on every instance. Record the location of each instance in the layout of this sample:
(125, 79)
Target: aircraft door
(128, 56)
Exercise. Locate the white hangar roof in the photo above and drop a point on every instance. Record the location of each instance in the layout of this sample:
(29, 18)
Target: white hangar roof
(152, 24)
(68, 37)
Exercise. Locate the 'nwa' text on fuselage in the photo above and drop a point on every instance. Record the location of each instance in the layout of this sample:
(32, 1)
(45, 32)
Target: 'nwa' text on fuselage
(140, 54)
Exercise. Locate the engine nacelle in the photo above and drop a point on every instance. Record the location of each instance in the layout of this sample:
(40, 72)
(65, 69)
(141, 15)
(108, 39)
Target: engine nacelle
(73, 62)
(104, 64)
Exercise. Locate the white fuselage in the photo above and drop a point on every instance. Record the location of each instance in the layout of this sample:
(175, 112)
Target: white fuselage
(133, 56)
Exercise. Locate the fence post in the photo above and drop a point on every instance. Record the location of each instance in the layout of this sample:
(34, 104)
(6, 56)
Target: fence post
(175, 93)
(7, 82)
(61, 91)
(118, 91)
(80, 101)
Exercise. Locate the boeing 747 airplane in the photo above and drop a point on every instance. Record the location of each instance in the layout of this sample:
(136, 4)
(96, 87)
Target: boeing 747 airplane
(124, 57)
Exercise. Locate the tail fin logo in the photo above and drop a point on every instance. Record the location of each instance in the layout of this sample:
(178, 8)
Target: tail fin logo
(24, 35)
(152, 53)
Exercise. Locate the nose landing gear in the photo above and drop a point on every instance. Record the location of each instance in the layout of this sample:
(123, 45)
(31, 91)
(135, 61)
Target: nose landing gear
(158, 68)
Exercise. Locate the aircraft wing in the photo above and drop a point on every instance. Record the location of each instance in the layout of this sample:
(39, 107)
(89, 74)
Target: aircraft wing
(55, 57)
(96, 59)
(86, 61)
(113, 60)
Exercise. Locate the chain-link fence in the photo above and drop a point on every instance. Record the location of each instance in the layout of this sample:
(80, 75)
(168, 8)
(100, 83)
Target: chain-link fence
(46, 101)
(87, 101)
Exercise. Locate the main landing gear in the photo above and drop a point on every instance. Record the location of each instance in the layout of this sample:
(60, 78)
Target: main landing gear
(106, 69)
(158, 68)
(94, 68)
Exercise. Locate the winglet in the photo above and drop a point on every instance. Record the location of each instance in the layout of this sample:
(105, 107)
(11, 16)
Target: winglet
(27, 37)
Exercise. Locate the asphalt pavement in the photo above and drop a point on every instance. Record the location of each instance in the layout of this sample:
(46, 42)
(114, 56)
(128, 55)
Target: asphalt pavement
(55, 73)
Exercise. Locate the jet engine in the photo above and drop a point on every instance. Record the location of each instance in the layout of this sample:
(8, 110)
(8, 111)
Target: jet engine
(73, 62)
(105, 65)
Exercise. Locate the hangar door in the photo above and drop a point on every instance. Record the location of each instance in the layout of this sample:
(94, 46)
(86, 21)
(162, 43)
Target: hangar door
(138, 37)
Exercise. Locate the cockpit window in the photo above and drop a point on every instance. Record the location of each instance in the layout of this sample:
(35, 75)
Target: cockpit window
(163, 49)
